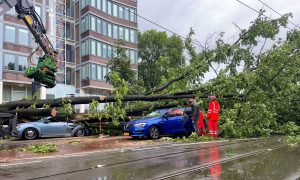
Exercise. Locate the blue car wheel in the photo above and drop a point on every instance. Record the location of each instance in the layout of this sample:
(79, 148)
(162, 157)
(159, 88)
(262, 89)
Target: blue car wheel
(30, 133)
(153, 132)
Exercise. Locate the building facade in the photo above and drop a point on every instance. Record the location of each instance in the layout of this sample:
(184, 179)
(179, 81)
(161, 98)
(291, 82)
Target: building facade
(100, 24)
(85, 32)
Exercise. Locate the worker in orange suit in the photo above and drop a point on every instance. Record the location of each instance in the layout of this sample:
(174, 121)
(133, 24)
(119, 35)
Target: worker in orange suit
(213, 116)
(201, 127)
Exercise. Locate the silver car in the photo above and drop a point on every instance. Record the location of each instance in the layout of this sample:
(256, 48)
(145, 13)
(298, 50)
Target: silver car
(49, 127)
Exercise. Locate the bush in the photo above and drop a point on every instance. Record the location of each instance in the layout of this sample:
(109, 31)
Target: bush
(292, 140)
(40, 148)
(228, 129)
(192, 138)
(291, 129)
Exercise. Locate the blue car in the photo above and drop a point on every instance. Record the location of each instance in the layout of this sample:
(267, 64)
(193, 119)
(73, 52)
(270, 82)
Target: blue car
(49, 127)
(166, 122)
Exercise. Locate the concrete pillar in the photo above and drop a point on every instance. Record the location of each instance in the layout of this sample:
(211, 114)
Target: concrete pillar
(1, 92)
(81, 108)
(43, 92)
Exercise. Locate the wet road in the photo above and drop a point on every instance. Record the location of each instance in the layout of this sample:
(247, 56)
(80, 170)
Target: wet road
(251, 159)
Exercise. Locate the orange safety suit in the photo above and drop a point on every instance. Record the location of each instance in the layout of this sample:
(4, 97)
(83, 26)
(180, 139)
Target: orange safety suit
(213, 117)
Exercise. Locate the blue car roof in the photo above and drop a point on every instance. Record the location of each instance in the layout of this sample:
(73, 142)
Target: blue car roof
(163, 111)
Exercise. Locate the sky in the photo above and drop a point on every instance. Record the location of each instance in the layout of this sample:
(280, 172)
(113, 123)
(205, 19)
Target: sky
(209, 16)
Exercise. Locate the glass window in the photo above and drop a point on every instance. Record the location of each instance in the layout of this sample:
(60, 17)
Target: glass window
(83, 25)
(132, 15)
(70, 27)
(93, 47)
(82, 4)
(99, 49)
(109, 30)
(83, 50)
(22, 63)
(18, 93)
(121, 32)
(7, 89)
(109, 51)
(127, 34)
(121, 12)
(109, 8)
(126, 13)
(9, 62)
(70, 76)
(93, 3)
(131, 55)
(135, 57)
(104, 72)
(23, 37)
(98, 5)
(10, 33)
(87, 22)
(115, 10)
(93, 23)
(104, 50)
(115, 31)
(135, 36)
(104, 5)
(135, 15)
(93, 71)
(70, 5)
(87, 47)
(99, 73)
(85, 72)
(132, 35)
(69, 53)
(99, 26)
(104, 28)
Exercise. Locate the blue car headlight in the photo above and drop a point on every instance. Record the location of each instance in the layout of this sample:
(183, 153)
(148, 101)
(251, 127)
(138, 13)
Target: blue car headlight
(140, 125)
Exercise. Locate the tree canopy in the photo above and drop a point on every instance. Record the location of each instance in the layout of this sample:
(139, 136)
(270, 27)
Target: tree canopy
(262, 79)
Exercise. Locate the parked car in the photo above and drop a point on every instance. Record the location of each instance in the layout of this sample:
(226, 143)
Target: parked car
(49, 127)
(166, 122)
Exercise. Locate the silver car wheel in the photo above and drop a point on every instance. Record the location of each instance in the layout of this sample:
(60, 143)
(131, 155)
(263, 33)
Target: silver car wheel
(79, 133)
(154, 132)
(30, 133)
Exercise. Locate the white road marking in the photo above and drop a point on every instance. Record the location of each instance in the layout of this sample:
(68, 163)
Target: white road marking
(22, 163)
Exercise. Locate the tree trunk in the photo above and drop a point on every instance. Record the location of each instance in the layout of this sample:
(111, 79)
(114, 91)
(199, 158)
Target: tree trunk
(86, 100)
(29, 113)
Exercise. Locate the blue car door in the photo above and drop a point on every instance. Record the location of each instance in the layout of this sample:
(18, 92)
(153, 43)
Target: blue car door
(175, 121)
(54, 128)
(164, 125)
(175, 124)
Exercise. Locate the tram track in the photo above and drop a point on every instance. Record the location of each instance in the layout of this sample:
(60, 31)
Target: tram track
(188, 150)
(208, 165)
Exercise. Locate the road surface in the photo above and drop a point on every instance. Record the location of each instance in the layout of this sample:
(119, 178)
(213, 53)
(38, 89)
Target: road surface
(265, 158)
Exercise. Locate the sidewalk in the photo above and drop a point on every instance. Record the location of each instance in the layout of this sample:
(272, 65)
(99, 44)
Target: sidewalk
(9, 148)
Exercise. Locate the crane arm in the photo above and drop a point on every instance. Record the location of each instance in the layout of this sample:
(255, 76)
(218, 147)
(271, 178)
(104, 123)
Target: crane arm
(32, 20)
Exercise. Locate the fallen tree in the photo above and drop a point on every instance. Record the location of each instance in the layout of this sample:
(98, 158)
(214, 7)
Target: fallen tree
(29, 113)
(86, 100)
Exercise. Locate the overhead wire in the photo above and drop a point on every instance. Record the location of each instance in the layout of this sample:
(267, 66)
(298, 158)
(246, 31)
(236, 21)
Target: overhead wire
(253, 9)
(296, 25)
